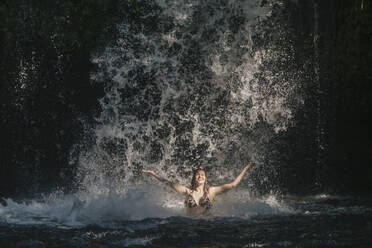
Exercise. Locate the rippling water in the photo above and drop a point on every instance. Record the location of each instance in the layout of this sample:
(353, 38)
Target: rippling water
(316, 221)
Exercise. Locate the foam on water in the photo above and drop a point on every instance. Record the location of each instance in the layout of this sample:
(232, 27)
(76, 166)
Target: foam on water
(139, 203)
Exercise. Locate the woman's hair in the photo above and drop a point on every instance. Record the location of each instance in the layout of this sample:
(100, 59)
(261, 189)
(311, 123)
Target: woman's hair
(193, 181)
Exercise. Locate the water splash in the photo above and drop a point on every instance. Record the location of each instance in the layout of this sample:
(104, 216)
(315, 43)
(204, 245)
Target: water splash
(191, 89)
(114, 210)
(189, 84)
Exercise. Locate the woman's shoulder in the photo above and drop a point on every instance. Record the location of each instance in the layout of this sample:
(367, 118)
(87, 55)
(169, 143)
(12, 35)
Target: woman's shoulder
(188, 191)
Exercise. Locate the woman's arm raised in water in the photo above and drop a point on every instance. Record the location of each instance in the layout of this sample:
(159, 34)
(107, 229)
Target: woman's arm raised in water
(217, 190)
(177, 187)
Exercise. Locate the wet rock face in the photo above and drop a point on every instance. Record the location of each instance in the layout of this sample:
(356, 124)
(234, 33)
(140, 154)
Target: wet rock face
(345, 58)
(45, 89)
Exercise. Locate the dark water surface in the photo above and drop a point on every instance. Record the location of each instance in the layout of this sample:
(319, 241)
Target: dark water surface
(321, 221)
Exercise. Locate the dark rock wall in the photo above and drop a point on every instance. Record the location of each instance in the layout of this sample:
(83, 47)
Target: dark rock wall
(45, 88)
(345, 59)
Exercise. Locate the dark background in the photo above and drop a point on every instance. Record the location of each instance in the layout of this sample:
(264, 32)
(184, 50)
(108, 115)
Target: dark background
(44, 120)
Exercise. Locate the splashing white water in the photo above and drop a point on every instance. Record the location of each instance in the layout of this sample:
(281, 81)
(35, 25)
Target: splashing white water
(186, 86)
(139, 203)
(186, 94)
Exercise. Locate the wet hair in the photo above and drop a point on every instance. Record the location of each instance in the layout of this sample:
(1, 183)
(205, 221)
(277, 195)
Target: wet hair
(193, 181)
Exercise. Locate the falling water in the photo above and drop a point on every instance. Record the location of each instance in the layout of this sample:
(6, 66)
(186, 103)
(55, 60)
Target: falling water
(189, 84)
(319, 124)
(192, 84)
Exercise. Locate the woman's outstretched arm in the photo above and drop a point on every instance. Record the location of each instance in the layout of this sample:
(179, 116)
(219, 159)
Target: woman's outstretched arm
(226, 187)
(177, 187)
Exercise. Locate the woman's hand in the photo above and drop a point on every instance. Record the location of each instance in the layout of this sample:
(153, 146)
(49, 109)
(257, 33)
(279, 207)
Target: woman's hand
(226, 187)
(148, 172)
(248, 167)
(177, 187)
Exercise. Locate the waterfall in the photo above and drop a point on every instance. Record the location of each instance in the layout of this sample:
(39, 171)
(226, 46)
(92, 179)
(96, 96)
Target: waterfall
(319, 139)
(191, 84)
(188, 84)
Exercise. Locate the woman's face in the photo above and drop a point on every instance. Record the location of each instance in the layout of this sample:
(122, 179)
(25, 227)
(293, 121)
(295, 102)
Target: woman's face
(200, 177)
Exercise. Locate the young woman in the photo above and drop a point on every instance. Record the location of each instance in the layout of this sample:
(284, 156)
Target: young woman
(199, 197)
